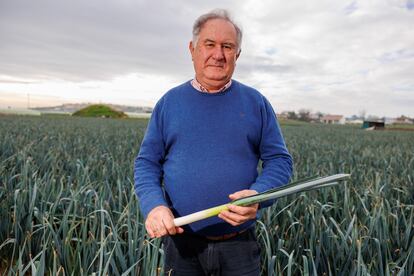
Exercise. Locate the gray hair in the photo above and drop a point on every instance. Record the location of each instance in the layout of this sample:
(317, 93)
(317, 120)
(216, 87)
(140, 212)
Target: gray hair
(216, 14)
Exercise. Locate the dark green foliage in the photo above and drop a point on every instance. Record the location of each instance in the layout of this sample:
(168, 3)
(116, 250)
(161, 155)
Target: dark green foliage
(365, 227)
(67, 204)
(99, 110)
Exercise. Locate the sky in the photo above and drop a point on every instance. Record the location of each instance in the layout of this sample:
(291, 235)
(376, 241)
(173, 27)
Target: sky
(331, 56)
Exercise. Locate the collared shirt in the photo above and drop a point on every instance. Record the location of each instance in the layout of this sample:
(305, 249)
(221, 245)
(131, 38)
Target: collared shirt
(201, 88)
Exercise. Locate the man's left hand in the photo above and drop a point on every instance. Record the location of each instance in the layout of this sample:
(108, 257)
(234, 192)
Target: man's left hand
(236, 215)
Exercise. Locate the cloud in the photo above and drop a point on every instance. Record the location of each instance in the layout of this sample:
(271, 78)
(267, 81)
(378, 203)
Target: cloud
(92, 40)
(340, 58)
(331, 56)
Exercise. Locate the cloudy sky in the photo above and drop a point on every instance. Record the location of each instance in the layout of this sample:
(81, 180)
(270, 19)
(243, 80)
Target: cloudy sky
(338, 57)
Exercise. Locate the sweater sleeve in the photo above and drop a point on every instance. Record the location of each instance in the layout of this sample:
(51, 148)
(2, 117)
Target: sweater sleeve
(148, 173)
(277, 164)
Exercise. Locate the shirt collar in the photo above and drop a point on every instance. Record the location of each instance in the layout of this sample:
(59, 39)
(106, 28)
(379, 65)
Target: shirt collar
(201, 88)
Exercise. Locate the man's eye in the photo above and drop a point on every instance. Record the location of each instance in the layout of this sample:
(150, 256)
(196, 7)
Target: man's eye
(209, 45)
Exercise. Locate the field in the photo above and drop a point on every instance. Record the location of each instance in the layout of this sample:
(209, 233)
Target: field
(67, 205)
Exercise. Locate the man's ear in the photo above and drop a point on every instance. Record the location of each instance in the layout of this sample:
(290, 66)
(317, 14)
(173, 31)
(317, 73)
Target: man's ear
(238, 54)
(191, 48)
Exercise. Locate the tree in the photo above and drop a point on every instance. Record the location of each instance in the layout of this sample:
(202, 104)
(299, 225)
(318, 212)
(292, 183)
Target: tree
(292, 115)
(304, 115)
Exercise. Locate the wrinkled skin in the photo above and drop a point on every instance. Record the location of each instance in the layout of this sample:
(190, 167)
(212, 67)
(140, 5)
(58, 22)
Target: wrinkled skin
(215, 53)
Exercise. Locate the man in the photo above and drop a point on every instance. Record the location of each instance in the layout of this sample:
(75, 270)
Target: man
(201, 149)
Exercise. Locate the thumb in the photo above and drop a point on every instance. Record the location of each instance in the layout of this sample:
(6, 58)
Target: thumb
(232, 196)
(179, 230)
(237, 195)
(242, 193)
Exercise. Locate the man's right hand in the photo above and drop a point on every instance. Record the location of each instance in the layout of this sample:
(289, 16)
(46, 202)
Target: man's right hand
(160, 222)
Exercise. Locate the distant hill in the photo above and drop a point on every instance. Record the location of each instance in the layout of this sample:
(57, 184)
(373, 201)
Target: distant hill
(99, 110)
(77, 106)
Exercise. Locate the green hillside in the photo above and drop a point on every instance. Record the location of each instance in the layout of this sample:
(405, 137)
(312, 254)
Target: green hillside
(99, 110)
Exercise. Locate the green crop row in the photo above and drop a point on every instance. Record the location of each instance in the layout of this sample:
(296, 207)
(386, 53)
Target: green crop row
(67, 205)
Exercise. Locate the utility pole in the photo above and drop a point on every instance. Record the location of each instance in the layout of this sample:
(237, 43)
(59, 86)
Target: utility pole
(28, 100)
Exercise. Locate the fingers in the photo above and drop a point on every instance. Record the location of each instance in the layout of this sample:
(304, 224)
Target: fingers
(242, 193)
(236, 215)
(149, 231)
(246, 211)
(233, 219)
(155, 227)
(160, 222)
(236, 195)
(179, 230)
(154, 230)
(171, 228)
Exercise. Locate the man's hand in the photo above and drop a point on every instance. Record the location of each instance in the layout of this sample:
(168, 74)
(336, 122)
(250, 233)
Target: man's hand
(160, 222)
(237, 215)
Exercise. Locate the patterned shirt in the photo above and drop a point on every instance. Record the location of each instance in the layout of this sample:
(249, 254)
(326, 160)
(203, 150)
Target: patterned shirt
(201, 88)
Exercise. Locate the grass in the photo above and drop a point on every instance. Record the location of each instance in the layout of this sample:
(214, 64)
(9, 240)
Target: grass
(401, 127)
(67, 205)
(99, 110)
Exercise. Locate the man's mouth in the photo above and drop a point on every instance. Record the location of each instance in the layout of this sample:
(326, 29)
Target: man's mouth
(216, 65)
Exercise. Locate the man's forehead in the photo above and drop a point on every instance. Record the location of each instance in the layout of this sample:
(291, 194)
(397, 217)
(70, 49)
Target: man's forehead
(220, 25)
(218, 31)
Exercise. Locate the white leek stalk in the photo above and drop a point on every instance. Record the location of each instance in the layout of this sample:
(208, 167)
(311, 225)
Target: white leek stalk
(294, 187)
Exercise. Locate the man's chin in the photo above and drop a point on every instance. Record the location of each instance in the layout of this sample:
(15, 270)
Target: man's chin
(217, 77)
(218, 82)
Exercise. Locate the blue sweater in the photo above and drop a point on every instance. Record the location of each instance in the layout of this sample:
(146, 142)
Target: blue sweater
(201, 147)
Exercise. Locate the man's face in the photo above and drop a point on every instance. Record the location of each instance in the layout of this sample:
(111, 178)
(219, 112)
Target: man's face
(215, 54)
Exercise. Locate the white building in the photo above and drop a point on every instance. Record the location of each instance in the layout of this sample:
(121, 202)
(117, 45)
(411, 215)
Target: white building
(333, 119)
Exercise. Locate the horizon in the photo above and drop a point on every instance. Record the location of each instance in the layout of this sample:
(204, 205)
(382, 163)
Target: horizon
(366, 115)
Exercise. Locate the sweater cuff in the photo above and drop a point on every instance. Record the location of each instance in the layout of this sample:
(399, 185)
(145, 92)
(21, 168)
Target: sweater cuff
(260, 188)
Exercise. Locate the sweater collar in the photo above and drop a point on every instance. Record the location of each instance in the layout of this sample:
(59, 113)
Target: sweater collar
(201, 88)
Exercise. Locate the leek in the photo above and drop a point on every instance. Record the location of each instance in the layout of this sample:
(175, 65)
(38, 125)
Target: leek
(294, 187)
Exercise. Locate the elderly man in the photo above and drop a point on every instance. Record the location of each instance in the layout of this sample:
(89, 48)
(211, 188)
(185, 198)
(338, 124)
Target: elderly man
(201, 149)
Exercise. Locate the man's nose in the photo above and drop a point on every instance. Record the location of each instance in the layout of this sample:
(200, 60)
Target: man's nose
(218, 53)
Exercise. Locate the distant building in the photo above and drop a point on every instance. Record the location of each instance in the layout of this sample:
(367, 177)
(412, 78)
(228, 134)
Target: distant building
(354, 121)
(333, 119)
(389, 120)
(373, 124)
(403, 120)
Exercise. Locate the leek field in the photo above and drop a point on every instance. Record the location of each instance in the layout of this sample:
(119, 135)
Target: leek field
(67, 205)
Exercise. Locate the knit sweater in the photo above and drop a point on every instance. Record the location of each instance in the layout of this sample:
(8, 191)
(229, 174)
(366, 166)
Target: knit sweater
(201, 147)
